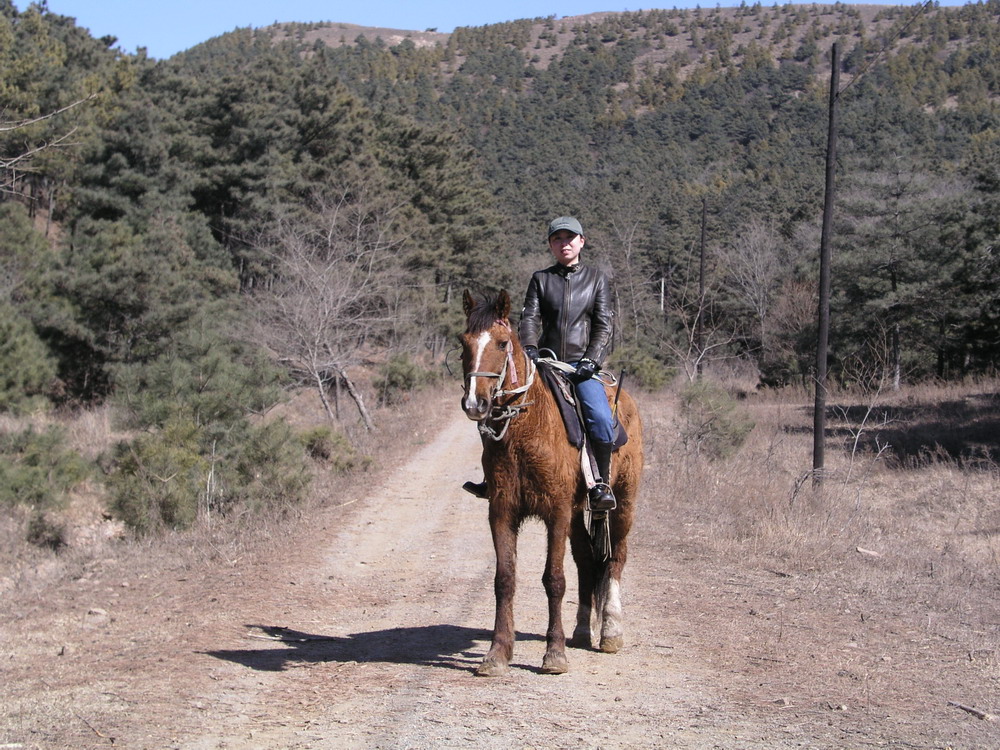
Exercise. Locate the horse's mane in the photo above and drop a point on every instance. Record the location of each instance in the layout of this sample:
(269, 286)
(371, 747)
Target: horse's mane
(483, 315)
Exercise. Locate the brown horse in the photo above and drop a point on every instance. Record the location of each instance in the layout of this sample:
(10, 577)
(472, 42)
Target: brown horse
(532, 470)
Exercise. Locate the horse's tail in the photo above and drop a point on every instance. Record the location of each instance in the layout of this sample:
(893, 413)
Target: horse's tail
(600, 543)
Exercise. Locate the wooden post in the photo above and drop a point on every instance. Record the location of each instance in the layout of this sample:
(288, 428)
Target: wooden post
(700, 349)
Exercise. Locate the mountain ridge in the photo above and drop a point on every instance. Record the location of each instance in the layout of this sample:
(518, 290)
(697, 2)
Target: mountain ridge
(680, 40)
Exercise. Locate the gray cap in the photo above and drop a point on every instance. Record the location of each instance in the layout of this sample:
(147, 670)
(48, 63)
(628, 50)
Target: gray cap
(565, 222)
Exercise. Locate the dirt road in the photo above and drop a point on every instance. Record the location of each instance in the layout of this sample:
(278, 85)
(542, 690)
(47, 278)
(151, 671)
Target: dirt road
(400, 602)
(364, 631)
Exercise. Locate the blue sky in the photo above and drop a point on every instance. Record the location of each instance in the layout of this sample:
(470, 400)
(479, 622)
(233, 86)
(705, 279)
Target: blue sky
(170, 26)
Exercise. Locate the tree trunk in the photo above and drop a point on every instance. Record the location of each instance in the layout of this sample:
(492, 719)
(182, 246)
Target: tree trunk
(52, 207)
(358, 399)
(321, 387)
(897, 365)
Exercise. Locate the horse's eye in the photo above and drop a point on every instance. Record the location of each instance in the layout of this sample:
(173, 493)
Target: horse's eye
(502, 345)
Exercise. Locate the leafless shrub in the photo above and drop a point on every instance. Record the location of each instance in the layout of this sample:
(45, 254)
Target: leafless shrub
(702, 338)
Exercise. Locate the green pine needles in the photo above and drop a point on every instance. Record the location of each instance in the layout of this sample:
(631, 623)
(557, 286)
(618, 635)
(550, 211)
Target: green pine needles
(204, 448)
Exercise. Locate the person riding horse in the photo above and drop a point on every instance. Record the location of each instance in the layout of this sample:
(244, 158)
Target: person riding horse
(567, 311)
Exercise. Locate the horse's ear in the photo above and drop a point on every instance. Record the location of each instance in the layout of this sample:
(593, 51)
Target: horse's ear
(467, 302)
(503, 305)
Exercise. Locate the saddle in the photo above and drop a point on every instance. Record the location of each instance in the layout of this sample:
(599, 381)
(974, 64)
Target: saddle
(565, 396)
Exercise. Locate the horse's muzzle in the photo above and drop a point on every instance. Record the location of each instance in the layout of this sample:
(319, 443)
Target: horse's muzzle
(475, 407)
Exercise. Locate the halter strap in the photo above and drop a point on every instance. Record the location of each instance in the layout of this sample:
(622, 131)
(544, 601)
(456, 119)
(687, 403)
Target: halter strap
(505, 413)
(507, 365)
(510, 353)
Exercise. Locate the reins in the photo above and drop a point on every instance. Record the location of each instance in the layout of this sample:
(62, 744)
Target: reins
(606, 377)
(505, 413)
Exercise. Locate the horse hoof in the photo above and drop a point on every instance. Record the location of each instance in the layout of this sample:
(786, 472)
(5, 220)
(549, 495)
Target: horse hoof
(490, 668)
(579, 640)
(555, 664)
(611, 644)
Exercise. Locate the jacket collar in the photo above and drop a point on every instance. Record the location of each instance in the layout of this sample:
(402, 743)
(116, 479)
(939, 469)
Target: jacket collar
(565, 271)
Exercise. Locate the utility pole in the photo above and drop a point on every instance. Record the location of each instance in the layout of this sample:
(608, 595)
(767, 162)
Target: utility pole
(823, 341)
(700, 330)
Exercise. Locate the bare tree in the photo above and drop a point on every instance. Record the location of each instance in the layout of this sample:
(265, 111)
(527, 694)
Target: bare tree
(695, 346)
(628, 283)
(753, 265)
(332, 280)
(20, 161)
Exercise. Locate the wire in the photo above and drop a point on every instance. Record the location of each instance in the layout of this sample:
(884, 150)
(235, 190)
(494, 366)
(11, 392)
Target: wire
(919, 12)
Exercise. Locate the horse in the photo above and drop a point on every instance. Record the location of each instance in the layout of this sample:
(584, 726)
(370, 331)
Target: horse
(532, 470)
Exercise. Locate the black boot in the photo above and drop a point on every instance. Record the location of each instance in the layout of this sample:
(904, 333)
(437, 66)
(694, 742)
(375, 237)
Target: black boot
(477, 489)
(601, 496)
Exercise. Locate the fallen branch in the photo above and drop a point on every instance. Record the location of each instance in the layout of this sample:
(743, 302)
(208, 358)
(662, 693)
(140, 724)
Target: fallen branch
(90, 726)
(974, 711)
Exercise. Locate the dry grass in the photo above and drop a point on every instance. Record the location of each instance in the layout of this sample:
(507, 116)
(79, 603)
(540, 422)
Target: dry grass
(892, 487)
(923, 507)
(762, 500)
(889, 571)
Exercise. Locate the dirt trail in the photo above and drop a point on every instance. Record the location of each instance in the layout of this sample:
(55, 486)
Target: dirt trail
(403, 604)
(383, 609)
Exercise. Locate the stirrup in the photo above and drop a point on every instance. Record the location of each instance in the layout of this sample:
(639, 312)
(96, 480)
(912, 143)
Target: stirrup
(476, 488)
(602, 498)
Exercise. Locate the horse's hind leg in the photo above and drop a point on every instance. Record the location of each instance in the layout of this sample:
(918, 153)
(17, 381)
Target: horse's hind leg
(609, 591)
(497, 660)
(586, 571)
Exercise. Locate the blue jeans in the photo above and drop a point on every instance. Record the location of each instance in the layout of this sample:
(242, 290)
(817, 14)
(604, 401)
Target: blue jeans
(596, 411)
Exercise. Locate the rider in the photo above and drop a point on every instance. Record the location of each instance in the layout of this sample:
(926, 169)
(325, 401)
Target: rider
(567, 310)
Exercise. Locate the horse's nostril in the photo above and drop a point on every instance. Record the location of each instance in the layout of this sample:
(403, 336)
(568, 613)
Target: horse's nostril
(476, 408)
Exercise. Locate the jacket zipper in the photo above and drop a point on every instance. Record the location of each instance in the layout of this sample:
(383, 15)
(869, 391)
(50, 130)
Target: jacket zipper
(564, 326)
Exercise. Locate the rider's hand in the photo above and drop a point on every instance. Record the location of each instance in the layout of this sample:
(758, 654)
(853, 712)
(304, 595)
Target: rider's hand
(585, 370)
(532, 352)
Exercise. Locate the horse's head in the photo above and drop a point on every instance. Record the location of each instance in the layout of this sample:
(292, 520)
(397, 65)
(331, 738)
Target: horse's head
(488, 353)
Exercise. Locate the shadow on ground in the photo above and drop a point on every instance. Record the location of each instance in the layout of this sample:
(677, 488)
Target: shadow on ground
(446, 646)
(966, 431)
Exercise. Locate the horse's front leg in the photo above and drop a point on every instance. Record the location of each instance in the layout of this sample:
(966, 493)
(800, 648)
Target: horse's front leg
(497, 660)
(554, 581)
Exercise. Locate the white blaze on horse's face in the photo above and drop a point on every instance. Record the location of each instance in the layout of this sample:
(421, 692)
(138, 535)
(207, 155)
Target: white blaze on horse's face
(475, 405)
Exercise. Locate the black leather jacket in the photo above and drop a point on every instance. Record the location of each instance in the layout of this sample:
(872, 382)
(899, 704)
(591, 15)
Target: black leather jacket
(568, 310)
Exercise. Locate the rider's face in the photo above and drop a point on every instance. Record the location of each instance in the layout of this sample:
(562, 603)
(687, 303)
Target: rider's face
(566, 246)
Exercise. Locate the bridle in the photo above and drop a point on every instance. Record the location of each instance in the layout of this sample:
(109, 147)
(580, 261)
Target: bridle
(504, 413)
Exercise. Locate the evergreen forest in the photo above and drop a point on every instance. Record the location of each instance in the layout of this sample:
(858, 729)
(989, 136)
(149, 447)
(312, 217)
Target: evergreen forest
(303, 205)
